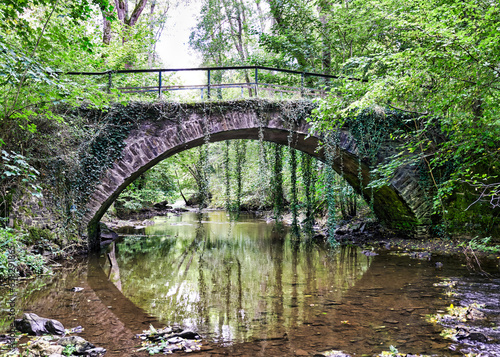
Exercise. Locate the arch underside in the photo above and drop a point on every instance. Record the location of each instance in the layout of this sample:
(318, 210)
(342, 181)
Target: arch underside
(151, 143)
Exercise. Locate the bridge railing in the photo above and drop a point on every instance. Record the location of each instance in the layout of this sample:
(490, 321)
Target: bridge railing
(219, 82)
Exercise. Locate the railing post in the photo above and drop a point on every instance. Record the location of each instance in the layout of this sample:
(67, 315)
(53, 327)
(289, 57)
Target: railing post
(208, 85)
(302, 84)
(256, 82)
(159, 84)
(110, 83)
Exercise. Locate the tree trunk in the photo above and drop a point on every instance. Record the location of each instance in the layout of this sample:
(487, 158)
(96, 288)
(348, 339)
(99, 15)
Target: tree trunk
(106, 30)
(136, 13)
(121, 7)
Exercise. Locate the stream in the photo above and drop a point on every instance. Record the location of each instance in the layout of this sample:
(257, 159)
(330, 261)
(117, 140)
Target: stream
(250, 290)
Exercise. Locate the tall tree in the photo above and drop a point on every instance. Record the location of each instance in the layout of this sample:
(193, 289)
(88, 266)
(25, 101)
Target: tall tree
(224, 34)
(438, 62)
(121, 11)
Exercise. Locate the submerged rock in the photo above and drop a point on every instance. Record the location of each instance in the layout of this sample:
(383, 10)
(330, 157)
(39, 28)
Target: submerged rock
(6, 339)
(161, 206)
(44, 348)
(80, 344)
(332, 353)
(169, 340)
(188, 335)
(33, 324)
(95, 352)
(421, 255)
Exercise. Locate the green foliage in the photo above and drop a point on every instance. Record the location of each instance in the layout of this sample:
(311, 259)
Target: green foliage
(101, 152)
(309, 192)
(277, 184)
(294, 204)
(223, 34)
(227, 180)
(69, 350)
(154, 186)
(330, 199)
(15, 258)
(436, 65)
(36, 235)
(17, 177)
(202, 168)
(482, 245)
(32, 49)
(241, 148)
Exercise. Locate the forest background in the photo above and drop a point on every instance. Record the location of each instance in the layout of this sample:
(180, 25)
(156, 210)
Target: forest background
(434, 61)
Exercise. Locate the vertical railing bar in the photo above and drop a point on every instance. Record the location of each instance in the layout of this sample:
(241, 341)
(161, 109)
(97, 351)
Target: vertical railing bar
(159, 84)
(256, 81)
(201, 93)
(302, 75)
(110, 83)
(208, 84)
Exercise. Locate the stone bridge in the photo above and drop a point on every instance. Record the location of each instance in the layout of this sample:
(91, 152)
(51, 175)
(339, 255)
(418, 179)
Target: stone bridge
(161, 130)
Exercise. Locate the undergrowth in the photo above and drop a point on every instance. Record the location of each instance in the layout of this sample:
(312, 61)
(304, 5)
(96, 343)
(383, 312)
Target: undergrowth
(16, 260)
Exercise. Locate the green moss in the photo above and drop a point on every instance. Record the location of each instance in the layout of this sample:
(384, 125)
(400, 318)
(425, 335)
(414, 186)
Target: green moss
(36, 235)
(461, 218)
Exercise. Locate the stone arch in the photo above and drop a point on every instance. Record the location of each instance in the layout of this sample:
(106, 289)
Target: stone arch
(401, 204)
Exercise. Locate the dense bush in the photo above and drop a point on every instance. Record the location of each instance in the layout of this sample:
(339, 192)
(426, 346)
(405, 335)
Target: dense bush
(15, 258)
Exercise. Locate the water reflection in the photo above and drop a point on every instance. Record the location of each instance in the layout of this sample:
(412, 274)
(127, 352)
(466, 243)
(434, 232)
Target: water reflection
(231, 281)
(241, 282)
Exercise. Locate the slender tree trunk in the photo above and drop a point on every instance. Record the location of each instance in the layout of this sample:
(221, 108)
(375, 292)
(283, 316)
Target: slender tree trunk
(121, 7)
(151, 28)
(106, 30)
(180, 190)
(139, 8)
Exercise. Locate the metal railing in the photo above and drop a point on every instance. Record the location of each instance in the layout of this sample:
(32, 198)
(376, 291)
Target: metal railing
(263, 79)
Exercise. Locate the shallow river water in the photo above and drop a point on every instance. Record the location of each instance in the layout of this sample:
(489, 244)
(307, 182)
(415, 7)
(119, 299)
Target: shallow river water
(250, 291)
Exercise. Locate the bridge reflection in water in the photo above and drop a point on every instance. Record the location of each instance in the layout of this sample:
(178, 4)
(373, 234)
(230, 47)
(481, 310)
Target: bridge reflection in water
(247, 288)
(232, 281)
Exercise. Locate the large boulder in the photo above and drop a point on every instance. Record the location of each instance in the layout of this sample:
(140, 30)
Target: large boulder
(162, 206)
(32, 324)
(106, 233)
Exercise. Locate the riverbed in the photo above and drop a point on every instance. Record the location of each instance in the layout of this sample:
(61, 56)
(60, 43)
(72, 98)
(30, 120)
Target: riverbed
(250, 289)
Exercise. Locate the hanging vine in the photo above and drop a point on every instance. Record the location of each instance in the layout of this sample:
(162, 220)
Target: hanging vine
(241, 148)
(371, 128)
(262, 166)
(203, 167)
(227, 177)
(308, 183)
(294, 205)
(330, 196)
(277, 184)
(202, 179)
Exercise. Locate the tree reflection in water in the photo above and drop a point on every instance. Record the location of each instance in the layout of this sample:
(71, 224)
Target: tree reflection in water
(233, 281)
